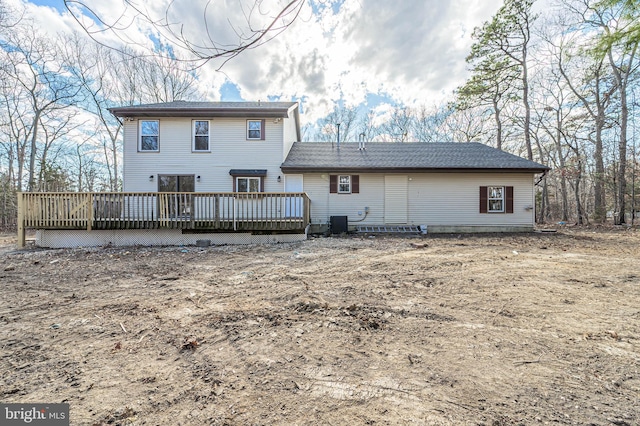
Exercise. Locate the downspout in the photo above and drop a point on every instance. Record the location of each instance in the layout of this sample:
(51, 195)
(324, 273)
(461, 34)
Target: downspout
(541, 177)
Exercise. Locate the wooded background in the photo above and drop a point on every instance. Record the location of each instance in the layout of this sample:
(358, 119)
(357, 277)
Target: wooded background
(556, 87)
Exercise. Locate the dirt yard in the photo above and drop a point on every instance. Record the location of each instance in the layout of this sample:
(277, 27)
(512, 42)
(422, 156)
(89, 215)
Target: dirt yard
(361, 330)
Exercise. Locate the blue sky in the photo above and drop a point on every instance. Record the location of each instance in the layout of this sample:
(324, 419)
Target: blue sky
(367, 53)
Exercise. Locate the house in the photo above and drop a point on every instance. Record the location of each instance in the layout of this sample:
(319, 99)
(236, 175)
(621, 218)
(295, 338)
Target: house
(439, 187)
(193, 172)
(237, 172)
(207, 146)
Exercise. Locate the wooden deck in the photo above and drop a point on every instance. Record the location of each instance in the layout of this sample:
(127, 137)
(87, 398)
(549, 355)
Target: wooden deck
(228, 212)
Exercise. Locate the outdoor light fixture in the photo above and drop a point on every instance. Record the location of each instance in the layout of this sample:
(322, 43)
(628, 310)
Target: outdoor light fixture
(198, 178)
(151, 177)
(279, 179)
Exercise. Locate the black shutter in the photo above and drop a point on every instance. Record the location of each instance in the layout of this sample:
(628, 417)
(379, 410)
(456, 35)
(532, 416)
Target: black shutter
(509, 199)
(355, 184)
(333, 184)
(483, 199)
(262, 129)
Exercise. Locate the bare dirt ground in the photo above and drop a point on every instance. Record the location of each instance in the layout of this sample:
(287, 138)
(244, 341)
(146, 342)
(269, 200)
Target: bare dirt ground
(458, 330)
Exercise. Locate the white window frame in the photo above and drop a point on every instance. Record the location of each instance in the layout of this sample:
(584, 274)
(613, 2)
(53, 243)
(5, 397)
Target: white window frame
(249, 130)
(257, 179)
(156, 135)
(193, 136)
(346, 183)
(492, 197)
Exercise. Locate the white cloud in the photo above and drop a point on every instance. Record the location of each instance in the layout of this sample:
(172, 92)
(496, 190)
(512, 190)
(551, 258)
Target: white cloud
(413, 52)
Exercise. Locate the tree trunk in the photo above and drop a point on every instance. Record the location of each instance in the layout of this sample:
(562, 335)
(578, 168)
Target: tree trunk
(496, 115)
(579, 210)
(622, 153)
(623, 84)
(525, 102)
(32, 156)
(114, 147)
(600, 207)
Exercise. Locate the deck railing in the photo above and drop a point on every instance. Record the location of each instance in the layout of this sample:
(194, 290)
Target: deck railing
(230, 211)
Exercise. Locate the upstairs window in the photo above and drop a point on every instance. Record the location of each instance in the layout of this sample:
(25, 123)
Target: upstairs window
(201, 136)
(255, 129)
(149, 136)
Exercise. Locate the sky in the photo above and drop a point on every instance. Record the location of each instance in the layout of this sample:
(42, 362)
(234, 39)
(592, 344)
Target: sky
(373, 54)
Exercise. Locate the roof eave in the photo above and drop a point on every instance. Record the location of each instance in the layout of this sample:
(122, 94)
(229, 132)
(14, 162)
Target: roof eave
(315, 169)
(201, 112)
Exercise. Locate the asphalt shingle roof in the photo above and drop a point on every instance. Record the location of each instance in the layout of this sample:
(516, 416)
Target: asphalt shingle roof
(211, 109)
(412, 156)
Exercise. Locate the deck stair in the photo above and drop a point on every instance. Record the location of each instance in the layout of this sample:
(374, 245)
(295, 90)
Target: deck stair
(387, 229)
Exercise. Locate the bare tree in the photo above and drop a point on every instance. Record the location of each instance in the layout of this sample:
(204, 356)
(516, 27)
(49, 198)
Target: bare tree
(340, 123)
(15, 129)
(466, 125)
(112, 78)
(616, 22)
(595, 94)
(35, 69)
(259, 23)
(9, 17)
(427, 124)
(396, 128)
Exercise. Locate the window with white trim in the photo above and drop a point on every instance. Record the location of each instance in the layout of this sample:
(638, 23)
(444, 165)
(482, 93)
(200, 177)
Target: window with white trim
(200, 142)
(149, 136)
(344, 184)
(248, 184)
(255, 129)
(495, 198)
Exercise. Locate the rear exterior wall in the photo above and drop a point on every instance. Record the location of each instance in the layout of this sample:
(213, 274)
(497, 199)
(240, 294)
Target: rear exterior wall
(445, 201)
(229, 149)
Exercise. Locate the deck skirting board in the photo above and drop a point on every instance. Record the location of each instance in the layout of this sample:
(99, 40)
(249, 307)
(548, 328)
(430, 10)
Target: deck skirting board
(49, 238)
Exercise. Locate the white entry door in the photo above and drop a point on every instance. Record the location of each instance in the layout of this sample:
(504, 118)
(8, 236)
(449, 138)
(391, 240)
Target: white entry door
(396, 190)
(293, 205)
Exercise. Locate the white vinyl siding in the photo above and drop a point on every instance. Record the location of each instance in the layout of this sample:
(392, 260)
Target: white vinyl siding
(229, 150)
(443, 199)
(324, 204)
(289, 133)
(453, 198)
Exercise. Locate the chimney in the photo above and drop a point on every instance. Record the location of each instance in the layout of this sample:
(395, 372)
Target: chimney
(361, 146)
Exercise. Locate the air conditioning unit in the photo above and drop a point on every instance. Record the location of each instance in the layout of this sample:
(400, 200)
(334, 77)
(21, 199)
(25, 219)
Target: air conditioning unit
(338, 224)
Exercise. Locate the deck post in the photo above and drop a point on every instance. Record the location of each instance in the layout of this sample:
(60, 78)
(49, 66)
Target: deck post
(89, 201)
(235, 202)
(22, 237)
